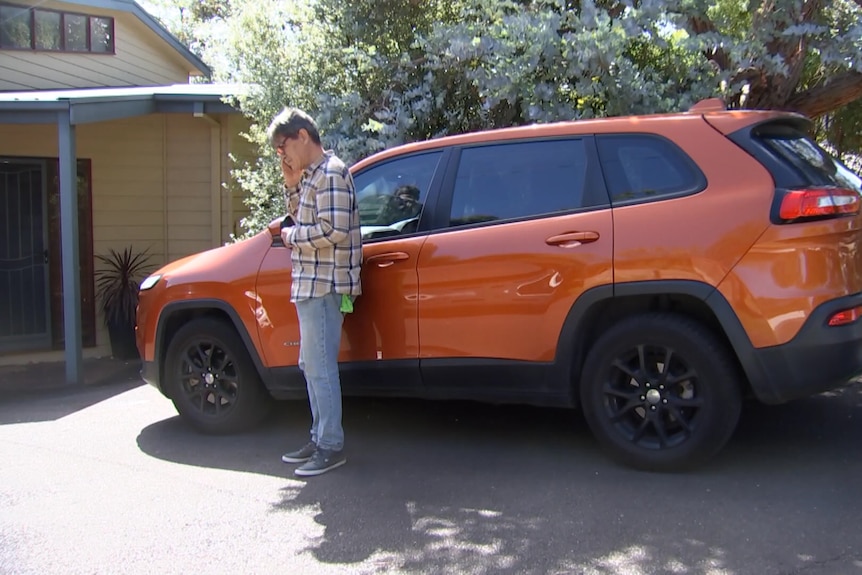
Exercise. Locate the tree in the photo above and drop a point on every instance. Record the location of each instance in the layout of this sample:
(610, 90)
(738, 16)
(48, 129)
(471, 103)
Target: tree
(842, 129)
(800, 55)
(196, 23)
(377, 73)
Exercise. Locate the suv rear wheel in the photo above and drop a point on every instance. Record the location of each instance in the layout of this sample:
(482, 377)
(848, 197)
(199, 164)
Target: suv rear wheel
(660, 392)
(211, 379)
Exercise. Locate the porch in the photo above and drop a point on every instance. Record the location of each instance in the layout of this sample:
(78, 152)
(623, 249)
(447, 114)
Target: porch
(86, 171)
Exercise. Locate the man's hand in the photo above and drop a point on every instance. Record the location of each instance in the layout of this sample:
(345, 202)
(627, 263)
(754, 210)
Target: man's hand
(291, 175)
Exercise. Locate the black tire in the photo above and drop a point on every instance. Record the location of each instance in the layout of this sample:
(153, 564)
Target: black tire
(211, 379)
(660, 392)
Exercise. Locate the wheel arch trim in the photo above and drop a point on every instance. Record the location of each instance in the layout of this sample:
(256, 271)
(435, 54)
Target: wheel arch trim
(575, 328)
(160, 344)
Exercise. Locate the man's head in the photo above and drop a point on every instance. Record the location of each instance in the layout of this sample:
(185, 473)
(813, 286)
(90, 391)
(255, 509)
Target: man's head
(295, 137)
(407, 193)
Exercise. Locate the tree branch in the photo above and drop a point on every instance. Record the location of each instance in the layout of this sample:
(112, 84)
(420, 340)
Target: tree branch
(792, 51)
(702, 25)
(823, 98)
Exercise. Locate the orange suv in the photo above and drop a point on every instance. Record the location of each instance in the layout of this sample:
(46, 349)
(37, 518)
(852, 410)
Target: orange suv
(652, 271)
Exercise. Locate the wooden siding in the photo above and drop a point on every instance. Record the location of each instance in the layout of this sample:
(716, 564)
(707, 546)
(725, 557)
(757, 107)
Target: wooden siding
(127, 170)
(152, 181)
(142, 58)
(189, 187)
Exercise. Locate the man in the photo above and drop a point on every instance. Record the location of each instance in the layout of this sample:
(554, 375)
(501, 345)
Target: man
(326, 256)
(402, 205)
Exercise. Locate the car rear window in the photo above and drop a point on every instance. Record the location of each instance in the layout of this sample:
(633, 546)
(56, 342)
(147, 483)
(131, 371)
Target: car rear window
(813, 165)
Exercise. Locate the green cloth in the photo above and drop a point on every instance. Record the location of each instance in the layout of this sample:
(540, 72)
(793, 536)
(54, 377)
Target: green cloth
(346, 303)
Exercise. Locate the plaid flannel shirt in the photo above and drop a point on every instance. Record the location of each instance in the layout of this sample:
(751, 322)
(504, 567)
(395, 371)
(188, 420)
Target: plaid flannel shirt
(325, 239)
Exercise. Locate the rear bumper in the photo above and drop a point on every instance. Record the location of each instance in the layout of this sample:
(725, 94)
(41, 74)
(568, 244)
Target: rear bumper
(819, 358)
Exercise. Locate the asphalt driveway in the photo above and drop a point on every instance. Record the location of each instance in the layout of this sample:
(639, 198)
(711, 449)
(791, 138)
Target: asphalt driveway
(107, 479)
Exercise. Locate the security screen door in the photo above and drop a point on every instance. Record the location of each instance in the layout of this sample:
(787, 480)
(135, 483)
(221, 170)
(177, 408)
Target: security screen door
(24, 304)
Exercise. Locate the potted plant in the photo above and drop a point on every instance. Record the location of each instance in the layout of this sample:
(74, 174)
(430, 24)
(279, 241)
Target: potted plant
(117, 286)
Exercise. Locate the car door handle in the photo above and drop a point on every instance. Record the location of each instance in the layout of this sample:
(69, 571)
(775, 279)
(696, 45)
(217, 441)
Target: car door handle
(387, 259)
(572, 239)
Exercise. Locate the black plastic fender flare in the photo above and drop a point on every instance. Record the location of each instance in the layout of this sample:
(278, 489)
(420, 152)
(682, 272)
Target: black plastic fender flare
(575, 329)
(205, 305)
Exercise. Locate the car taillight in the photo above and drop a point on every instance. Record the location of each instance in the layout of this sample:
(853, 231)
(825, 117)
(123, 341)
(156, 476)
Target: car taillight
(818, 203)
(846, 316)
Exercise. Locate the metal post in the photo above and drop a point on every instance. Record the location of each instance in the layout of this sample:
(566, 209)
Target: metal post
(70, 251)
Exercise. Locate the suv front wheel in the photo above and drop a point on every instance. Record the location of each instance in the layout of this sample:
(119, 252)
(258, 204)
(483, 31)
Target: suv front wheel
(660, 392)
(211, 379)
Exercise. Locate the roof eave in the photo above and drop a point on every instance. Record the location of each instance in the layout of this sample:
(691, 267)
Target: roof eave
(88, 110)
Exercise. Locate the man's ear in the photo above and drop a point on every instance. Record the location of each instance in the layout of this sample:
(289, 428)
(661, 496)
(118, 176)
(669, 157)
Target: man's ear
(303, 135)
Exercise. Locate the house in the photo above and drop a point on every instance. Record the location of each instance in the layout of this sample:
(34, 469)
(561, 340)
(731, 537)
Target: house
(107, 140)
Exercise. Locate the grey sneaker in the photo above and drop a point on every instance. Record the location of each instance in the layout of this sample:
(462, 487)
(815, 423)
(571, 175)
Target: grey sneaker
(322, 461)
(301, 455)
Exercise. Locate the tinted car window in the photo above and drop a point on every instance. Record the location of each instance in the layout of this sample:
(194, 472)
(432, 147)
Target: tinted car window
(516, 180)
(391, 195)
(640, 166)
(812, 163)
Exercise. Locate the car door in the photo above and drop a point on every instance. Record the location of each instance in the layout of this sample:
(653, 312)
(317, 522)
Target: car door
(380, 347)
(529, 230)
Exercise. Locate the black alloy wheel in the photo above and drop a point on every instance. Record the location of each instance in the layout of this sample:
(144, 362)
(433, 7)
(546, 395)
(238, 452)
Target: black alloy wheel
(651, 396)
(211, 379)
(660, 392)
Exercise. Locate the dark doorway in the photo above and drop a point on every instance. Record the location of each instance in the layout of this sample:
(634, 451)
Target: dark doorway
(85, 247)
(31, 278)
(24, 317)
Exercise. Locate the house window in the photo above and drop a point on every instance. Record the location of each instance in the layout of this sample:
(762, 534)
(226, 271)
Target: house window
(76, 32)
(23, 28)
(14, 27)
(47, 30)
(101, 34)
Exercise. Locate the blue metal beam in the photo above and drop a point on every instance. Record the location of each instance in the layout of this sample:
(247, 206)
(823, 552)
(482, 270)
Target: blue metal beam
(70, 253)
(184, 107)
(30, 112)
(90, 110)
(13, 117)
(96, 110)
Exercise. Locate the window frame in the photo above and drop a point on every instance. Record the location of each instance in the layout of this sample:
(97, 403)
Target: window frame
(32, 10)
(593, 182)
(695, 188)
(768, 136)
(428, 217)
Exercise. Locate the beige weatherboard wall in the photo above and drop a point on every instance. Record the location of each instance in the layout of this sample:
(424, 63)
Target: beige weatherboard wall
(157, 148)
(159, 182)
(141, 57)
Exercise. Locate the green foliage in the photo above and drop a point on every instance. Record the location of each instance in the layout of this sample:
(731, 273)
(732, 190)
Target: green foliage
(843, 130)
(377, 73)
(314, 56)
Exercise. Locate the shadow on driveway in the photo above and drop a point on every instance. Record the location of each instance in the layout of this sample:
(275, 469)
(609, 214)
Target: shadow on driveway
(47, 397)
(469, 488)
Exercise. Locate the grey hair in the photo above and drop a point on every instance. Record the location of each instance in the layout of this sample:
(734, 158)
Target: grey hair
(288, 123)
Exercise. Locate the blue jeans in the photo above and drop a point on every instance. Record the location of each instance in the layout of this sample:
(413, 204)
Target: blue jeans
(320, 321)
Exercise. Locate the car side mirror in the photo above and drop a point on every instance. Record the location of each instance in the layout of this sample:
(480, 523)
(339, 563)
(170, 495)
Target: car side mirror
(275, 227)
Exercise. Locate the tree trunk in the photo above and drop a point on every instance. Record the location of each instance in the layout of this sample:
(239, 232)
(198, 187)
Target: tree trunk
(821, 99)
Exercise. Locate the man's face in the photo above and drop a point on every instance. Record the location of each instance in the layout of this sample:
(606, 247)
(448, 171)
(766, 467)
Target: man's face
(290, 150)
